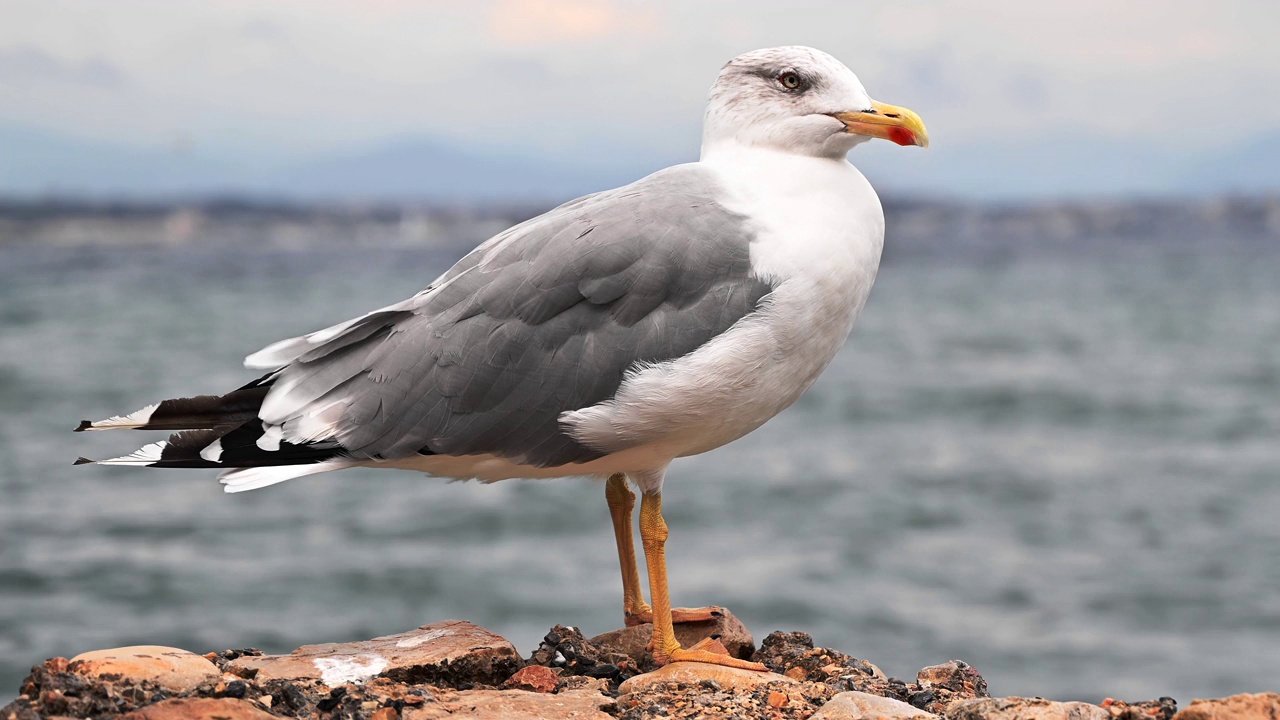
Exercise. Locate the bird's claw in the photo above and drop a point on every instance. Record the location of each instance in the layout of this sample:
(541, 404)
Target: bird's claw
(711, 651)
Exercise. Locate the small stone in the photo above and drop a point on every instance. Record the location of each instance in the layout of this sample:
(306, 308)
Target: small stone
(534, 678)
(956, 676)
(513, 705)
(1162, 709)
(386, 713)
(1261, 706)
(443, 653)
(692, 673)
(173, 669)
(369, 704)
(235, 689)
(633, 641)
(199, 709)
(582, 682)
(797, 673)
(777, 699)
(1016, 708)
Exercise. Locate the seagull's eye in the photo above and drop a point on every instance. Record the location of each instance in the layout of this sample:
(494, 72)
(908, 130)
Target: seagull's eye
(790, 80)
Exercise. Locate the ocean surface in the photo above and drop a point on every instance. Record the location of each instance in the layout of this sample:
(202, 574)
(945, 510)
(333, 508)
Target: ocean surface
(1058, 461)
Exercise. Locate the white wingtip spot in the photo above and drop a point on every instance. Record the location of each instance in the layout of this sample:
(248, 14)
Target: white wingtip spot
(213, 453)
(135, 419)
(144, 455)
(269, 441)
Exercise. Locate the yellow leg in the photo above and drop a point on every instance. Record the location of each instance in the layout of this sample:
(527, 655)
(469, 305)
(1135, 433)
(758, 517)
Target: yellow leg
(621, 502)
(666, 649)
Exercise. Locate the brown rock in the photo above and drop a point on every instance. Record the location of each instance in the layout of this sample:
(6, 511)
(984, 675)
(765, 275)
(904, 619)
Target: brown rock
(442, 653)
(513, 705)
(1262, 706)
(777, 699)
(386, 713)
(1016, 708)
(853, 705)
(692, 673)
(1163, 709)
(957, 676)
(534, 678)
(173, 669)
(200, 709)
(632, 641)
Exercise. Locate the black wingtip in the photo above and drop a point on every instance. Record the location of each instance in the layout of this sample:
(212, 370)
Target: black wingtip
(82, 461)
(84, 425)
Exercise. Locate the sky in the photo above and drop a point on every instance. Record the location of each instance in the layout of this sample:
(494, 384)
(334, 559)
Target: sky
(1021, 98)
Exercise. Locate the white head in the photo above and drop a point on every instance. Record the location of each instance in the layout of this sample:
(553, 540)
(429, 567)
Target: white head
(800, 100)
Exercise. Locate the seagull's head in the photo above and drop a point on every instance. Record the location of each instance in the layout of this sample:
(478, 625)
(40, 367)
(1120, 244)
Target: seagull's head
(800, 100)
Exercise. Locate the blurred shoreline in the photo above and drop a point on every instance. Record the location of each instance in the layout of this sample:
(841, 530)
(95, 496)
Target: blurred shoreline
(444, 226)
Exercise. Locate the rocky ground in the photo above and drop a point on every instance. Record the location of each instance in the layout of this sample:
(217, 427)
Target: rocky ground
(454, 669)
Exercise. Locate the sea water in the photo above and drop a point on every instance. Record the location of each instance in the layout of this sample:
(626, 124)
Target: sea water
(1059, 462)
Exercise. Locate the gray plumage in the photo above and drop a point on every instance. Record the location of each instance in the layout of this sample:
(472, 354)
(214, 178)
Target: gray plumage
(545, 318)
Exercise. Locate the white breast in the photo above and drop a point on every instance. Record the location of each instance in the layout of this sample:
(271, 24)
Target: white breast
(820, 233)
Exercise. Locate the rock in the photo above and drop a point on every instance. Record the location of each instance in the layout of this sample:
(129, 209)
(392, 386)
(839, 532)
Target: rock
(200, 709)
(565, 650)
(513, 705)
(534, 678)
(693, 673)
(443, 653)
(173, 669)
(1163, 709)
(853, 705)
(1016, 708)
(794, 655)
(1262, 706)
(957, 676)
(633, 641)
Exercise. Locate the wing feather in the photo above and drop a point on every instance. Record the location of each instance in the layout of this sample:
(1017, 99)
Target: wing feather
(545, 318)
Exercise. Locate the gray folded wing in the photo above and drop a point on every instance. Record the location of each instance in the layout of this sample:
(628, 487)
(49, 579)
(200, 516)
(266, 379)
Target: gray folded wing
(545, 318)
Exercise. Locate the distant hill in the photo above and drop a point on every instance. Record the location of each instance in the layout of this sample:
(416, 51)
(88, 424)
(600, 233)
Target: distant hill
(424, 168)
(40, 163)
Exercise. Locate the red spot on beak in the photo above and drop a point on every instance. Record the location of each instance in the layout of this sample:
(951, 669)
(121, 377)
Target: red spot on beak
(902, 136)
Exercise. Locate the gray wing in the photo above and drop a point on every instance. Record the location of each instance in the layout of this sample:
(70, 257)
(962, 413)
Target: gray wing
(545, 318)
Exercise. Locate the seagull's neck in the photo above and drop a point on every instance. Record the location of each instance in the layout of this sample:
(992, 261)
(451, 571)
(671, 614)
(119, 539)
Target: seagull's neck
(730, 152)
(818, 215)
(773, 172)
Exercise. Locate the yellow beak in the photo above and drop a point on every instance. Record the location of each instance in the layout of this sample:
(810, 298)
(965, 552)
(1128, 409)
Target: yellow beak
(890, 122)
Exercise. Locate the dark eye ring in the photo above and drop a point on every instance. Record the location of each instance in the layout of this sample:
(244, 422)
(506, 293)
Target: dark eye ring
(790, 80)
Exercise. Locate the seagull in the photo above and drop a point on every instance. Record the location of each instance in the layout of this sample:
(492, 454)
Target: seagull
(606, 337)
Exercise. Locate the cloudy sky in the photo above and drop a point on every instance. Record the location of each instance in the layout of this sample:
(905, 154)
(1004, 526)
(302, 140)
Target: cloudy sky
(1020, 97)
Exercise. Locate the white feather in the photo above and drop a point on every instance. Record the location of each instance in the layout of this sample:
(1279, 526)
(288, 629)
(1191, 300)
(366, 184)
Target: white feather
(244, 479)
(135, 419)
(144, 455)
